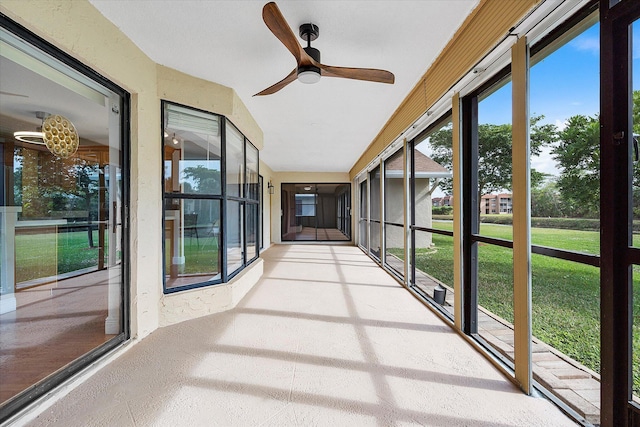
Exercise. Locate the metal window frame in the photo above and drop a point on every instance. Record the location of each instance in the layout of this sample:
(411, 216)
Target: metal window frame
(223, 198)
(188, 196)
(616, 256)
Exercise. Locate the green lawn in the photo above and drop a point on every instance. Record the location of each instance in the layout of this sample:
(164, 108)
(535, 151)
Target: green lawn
(49, 254)
(201, 256)
(565, 295)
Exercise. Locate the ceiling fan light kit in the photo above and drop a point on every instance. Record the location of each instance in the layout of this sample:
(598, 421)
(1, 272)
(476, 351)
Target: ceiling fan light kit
(309, 69)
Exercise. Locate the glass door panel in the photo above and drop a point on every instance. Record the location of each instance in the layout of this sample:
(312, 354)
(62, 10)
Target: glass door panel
(315, 212)
(61, 221)
(635, 241)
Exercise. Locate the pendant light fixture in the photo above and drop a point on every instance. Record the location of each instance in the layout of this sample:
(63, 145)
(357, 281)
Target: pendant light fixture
(58, 134)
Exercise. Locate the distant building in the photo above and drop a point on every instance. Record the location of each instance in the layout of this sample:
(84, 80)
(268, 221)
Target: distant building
(442, 201)
(496, 204)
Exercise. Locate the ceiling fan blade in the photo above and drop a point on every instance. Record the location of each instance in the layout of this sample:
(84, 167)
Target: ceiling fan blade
(368, 74)
(282, 83)
(279, 27)
(13, 94)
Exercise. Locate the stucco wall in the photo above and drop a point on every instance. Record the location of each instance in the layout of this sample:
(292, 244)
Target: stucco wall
(394, 205)
(81, 31)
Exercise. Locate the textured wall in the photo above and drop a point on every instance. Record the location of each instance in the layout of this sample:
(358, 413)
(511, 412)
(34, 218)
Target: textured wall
(186, 305)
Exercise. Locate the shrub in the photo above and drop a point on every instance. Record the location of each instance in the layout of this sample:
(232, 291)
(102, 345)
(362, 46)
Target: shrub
(442, 210)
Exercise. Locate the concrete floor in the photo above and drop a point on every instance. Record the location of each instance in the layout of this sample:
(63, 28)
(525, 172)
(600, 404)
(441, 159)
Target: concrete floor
(325, 338)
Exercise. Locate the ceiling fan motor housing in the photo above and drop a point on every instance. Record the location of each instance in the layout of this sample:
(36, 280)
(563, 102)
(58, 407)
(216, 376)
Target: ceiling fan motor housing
(315, 54)
(309, 32)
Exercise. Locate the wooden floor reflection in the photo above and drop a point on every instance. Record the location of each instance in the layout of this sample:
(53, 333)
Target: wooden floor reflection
(53, 325)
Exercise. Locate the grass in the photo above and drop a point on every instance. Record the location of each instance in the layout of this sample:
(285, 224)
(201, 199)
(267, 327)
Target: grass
(49, 254)
(201, 256)
(565, 295)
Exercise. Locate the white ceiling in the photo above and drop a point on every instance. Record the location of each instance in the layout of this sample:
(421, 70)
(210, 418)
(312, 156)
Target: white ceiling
(323, 127)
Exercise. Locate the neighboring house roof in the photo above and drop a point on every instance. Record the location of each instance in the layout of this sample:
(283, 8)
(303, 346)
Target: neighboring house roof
(426, 167)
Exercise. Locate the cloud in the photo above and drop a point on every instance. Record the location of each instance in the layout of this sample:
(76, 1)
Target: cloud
(545, 163)
(586, 44)
(561, 124)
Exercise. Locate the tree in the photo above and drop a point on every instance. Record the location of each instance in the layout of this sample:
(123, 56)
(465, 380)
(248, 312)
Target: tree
(494, 153)
(578, 157)
(636, 164)
(203, 180)
(546, 201)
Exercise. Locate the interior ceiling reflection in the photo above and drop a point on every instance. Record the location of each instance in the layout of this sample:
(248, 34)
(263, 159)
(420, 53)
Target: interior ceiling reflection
(23, 92)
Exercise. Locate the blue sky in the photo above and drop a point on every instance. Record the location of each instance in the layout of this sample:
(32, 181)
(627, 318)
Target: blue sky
(563, 84)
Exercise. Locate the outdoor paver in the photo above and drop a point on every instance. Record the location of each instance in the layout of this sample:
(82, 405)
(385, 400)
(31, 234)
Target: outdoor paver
(556, 363)
(583, 384)
(584, 408)
(570, 373)
(539, 348)
(547, 379)
(592, 395)
(542, 356)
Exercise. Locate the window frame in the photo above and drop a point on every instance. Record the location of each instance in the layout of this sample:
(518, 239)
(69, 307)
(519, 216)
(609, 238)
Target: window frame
(223, 198)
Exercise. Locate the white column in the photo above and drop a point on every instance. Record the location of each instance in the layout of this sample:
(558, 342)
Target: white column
(8, 218)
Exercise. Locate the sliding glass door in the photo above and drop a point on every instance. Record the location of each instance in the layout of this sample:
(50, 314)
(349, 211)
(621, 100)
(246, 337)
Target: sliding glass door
(316, 212)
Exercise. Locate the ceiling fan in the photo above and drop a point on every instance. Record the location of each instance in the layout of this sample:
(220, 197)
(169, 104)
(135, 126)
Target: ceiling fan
(309, 68)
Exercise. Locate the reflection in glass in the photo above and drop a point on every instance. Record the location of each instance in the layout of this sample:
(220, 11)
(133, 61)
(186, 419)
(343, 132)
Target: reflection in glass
(234, 161)
(192, 151)
(61, 226)
(252, 172)
(252, 230)
(192, 233)
(234, 238)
